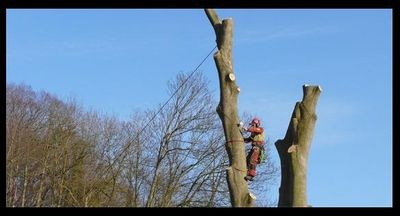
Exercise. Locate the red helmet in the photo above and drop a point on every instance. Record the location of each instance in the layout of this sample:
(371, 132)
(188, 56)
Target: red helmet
(256, 121)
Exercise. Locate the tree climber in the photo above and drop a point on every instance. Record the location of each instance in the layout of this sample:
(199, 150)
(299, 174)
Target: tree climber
(257, 142)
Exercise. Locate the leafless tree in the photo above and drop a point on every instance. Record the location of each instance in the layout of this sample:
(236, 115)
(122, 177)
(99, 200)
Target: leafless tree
(60, 155)
(185, 143)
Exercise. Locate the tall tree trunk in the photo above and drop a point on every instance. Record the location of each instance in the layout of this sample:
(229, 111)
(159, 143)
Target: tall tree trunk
(228, 112)
(14, 201)
(155, 179)
(42, 178)
(294, 148)
(25, 186)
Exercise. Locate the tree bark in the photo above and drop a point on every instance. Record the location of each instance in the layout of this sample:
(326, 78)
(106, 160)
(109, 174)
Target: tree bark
(294, 149)
(25, 186)
(228, 112)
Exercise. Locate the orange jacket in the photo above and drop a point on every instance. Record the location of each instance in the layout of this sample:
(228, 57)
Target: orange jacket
(257, 135)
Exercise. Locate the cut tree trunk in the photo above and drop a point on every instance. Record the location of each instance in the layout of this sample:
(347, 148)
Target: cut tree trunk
(294, 149)
(228, 113)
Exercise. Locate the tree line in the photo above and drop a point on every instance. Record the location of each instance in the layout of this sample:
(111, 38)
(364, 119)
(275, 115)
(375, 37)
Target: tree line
(58, 154)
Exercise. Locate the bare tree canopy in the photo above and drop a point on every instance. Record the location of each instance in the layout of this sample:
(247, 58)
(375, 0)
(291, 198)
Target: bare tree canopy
(60, 155)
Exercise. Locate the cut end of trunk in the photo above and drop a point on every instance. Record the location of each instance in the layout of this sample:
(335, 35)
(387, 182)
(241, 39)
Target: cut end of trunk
(251, 199)
(311, 91)
(292, 148)
(231, 77)
(238, 89)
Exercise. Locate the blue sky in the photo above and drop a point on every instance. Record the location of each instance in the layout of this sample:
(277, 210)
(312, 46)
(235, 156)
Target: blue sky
(118, 61)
